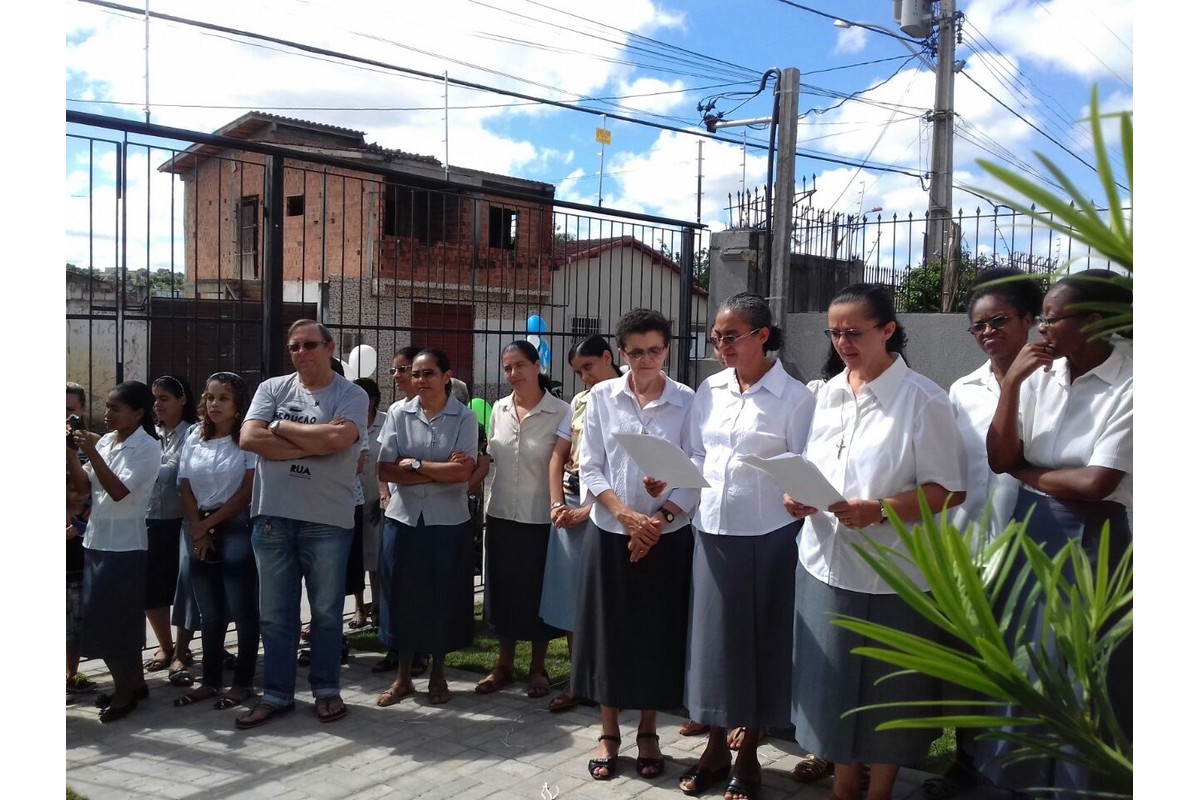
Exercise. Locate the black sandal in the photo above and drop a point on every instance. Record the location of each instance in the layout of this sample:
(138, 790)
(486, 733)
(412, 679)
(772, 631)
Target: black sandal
(609, 764)
(702, 778)
(231, 699)
(197, 696)
(655, 765)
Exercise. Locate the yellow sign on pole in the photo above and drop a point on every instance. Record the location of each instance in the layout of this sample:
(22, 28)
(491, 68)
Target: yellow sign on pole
(603, 136)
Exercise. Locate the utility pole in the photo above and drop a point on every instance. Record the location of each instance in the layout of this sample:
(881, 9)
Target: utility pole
(941, 173)
(699, 176)
(788, 89)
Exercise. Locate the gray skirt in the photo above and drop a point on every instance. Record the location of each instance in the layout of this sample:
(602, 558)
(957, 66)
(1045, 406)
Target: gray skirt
(560, 587)
(630, 646)
(515, 554)
(828, 680)
(739, 658)
(114, 591)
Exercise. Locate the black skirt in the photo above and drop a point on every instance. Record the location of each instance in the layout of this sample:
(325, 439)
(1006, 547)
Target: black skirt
(630, 644)
(162, 561)
(515, 554)
(431, 587)
(739, 665)
(114, 590)
(355, 570)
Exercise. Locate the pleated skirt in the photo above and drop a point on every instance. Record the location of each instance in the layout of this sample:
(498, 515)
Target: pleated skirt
(739, 655)
(428, 584)
(828, 680)
(560, 588)
(114, 593)
(630, 647)
(515, 569)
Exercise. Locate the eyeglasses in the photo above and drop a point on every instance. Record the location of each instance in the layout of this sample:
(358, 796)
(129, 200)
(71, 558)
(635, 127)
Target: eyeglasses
(1044, 320)
(650, 352)
(849, 333)
(729, 340)
(995, 323)
(398, 370)
(296, 347)
(422, 374)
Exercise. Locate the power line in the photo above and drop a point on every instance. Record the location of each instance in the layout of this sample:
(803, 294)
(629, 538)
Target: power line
(307, 48)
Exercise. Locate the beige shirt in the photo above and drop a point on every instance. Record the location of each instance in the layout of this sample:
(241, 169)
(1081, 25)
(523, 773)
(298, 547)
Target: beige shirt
(520, 454)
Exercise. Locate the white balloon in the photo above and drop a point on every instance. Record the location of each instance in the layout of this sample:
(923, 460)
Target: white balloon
(348, 370)
(363, 360)
(534, 340)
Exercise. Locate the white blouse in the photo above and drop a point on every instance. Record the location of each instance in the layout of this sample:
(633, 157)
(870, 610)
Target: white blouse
(1088, 423)
(897, 434)
(120, 525)
(604, 464)
(214, 468)
(770, 418)
(520, 454)
(973, 398)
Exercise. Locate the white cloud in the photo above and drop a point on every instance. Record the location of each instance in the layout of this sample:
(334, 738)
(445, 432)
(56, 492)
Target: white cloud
(850, 40)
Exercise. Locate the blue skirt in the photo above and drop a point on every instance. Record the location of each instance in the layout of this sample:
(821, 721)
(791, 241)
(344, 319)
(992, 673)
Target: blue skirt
(560, 586)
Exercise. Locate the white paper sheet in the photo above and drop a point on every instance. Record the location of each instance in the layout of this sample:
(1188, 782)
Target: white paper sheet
(796, 475)
(662, 460)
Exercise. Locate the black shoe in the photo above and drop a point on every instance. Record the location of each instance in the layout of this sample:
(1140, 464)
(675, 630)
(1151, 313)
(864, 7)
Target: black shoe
(104, 699)
(385, 664)
(419, 664)
(113, 713)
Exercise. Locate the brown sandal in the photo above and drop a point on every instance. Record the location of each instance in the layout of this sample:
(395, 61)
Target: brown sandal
(394, 694)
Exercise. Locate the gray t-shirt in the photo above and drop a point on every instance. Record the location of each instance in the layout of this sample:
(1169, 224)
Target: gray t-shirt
(315, 488)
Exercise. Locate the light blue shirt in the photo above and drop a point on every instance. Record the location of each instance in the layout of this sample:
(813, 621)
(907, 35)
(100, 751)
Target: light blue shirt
(408, 434)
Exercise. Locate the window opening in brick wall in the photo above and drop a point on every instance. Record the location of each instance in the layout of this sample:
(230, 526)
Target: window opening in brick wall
(582, 327)
(247, 236)
(295, 205)
(417, 214)
(502, 228)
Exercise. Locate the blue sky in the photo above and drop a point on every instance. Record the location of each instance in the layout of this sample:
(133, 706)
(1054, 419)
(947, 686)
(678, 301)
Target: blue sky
(651, 61)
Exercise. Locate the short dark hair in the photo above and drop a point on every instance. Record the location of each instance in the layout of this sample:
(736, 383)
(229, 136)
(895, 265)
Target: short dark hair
(1097, 286)
(371, 388)
(1019, 289)
(643, 320)
(756, 311)
(409, 353)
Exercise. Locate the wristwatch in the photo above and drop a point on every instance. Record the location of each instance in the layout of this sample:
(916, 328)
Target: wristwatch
(274, 426)
(667, 515)
(416, 465)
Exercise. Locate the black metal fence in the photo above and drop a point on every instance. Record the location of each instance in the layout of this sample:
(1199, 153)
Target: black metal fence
(189, 252)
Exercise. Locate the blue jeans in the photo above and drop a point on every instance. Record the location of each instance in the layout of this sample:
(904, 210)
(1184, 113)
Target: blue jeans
(288, 550)
(227, 591)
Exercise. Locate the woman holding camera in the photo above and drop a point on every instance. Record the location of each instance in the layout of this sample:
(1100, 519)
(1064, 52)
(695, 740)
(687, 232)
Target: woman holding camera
(120, 473)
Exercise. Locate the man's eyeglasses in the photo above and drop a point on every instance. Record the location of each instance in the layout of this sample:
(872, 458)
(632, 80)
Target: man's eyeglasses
(639, 354)
(296, 347)
(398, 370)
(729, 340)
(995, 323)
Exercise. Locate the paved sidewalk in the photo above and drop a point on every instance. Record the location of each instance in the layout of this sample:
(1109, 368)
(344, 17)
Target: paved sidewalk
(498, 746)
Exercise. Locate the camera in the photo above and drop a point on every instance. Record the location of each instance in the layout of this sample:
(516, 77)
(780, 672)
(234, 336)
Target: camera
(76, 423)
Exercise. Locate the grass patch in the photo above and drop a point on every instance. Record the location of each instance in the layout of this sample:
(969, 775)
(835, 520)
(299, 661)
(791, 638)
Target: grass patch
(72, 795)
(481, 656)
(941, 753)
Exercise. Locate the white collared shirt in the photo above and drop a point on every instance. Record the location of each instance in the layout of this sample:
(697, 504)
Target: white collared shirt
(973, 397)
(120, 525)
(604, 464)
(770, 418)
(214, 468)
(898, 434)
(520, 454)
(1088, 423)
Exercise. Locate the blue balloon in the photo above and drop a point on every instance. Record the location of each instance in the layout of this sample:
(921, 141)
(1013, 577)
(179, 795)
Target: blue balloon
(535, 324)
(544, 354)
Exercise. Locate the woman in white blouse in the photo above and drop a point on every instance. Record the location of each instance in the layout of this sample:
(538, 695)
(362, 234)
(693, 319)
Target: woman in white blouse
(1064, 429)
(120, 473)
(739, 665)
(1002, 311)
(881, 434)
(524, 431)
(216, 479)
(631, 624)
